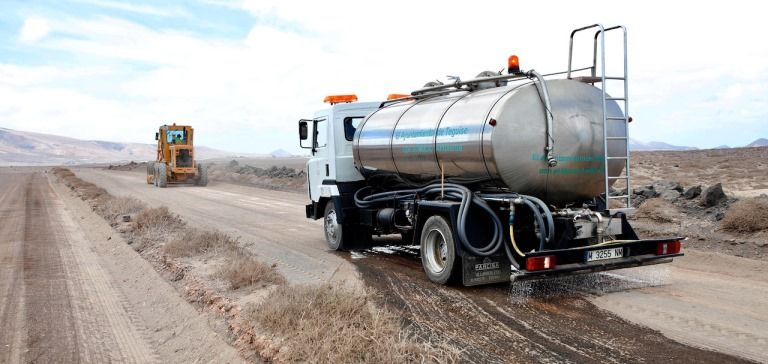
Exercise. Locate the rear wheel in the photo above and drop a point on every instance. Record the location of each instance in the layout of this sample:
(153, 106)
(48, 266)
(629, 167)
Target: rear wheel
(161, 178)
(150, 172)
(438, 251)
(202, 178)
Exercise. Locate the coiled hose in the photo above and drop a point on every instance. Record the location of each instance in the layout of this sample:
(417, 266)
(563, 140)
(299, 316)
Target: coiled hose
(462, 194)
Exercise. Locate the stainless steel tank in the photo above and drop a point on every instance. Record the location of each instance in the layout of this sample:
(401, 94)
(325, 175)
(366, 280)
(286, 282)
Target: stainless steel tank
(496, 137)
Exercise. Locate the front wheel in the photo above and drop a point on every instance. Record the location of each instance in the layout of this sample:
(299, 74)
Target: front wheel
(438, 251)
(161, 178)
(334, 231)
(340, 236)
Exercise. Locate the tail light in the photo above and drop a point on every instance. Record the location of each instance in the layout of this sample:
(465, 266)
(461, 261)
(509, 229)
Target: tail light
(668, 248)
(541, 263)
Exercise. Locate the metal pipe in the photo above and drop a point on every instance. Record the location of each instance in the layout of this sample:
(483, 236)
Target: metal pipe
(458, 84)
(541, 86)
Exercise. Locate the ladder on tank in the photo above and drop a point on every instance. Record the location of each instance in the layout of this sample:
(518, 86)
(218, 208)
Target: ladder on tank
(624, 197)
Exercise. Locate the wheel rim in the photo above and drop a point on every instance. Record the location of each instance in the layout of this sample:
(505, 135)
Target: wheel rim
(332, 227)
(436, 251)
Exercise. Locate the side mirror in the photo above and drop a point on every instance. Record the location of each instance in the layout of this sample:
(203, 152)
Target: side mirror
(157, 136)
(303, 130)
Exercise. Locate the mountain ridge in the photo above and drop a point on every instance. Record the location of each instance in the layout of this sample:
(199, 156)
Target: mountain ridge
(32, 148)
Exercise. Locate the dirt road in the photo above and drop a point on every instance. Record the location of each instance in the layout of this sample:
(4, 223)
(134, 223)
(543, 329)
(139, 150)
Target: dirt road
(56, 305)
(553, 321)
(62, 300)
(262, 218)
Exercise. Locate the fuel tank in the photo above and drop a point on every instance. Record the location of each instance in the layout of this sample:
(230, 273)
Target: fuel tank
(497, 137)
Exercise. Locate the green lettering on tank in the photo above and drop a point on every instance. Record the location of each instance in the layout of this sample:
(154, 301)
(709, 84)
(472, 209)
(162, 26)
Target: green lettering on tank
(428, 148)
(424, 133)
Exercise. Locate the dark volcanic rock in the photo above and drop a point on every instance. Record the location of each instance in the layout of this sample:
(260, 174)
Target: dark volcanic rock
(670, 195)
(646, 191)
(692, 192)
(713, 196)
(662, 186)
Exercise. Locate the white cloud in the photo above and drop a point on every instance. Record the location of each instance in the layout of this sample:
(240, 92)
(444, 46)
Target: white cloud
(34, 29)
(136, 8)
(246, 94)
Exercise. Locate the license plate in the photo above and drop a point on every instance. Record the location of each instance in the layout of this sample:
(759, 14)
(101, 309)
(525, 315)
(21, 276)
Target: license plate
(604, 254)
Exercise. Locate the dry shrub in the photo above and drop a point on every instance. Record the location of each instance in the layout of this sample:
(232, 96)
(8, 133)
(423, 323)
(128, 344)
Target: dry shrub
(333, 324)
(62, 172)
(658, 210)
(748, 215)
(89, 191)
(195, 242)
(86, 190)
(242, 271)
(113, 208)
(157, 224)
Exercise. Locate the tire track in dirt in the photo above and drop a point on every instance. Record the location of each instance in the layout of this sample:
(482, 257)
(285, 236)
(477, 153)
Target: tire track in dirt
(266, 221)
(12, 330)
(491, 325)
(49, 317)
(59, 305)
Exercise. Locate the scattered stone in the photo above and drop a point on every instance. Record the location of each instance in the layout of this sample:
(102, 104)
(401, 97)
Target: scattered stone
(233, 163)
(692, 192)
(719, 216)
(670, 195)
(662, 186)
(713, 196)
(761, 243)
(647, 192)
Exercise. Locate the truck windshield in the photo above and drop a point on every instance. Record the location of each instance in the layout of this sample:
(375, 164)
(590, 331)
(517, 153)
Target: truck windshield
(175, 137)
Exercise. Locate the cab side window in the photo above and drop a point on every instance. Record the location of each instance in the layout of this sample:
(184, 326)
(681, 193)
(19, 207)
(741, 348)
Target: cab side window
(350, 126)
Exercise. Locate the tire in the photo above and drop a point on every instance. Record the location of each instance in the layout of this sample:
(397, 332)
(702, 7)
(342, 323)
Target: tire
(202, 178)
(438, 251)
(161, 178)
(341, 237)
(150, 172)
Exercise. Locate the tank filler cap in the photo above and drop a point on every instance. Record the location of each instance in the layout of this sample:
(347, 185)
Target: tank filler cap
(487, 84)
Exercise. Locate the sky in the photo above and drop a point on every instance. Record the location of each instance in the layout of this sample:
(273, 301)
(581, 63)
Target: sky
(243, 72)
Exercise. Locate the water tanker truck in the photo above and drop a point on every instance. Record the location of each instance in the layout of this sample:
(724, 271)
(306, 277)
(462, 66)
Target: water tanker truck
(509, 176)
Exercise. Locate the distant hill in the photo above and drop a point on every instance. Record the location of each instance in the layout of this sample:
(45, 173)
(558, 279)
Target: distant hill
(762, 142)
(637, 145)
(27, 148)
(279, 153)
(722, 147)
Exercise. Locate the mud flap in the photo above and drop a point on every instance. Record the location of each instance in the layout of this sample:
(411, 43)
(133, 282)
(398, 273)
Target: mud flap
(485, 270)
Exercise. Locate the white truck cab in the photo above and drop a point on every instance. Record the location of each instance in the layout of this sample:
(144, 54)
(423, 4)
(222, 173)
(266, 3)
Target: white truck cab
(329, 135)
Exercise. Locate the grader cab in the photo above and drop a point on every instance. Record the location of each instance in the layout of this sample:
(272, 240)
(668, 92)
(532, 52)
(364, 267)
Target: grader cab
(175, 161)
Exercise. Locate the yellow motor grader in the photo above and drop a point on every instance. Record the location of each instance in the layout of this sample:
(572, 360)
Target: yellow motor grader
(175, 161)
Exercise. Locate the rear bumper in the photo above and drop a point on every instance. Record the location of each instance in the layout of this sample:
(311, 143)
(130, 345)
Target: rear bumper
(637, 253)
